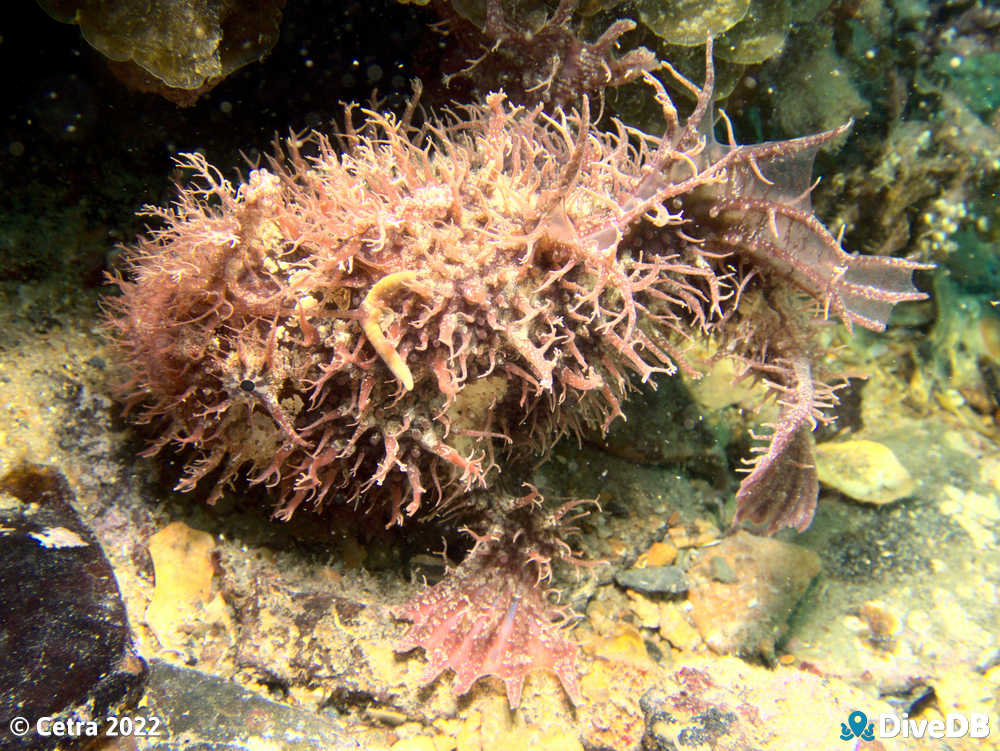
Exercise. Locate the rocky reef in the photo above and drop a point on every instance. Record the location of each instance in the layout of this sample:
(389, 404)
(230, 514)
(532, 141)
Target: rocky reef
(388, 323)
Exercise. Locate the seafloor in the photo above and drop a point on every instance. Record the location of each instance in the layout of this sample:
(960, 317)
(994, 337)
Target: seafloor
(260, 635)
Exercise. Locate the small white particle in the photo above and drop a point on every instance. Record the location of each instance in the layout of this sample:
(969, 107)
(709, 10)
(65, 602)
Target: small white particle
(59, 537)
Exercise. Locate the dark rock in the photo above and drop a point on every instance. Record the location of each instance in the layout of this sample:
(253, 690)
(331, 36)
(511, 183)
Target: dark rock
(666, 731)
(196, 710)
(65, 646)
(654, 580)
(659, 722)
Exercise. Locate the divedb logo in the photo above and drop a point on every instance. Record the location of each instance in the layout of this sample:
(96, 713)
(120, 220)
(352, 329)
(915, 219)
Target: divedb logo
(954, 725)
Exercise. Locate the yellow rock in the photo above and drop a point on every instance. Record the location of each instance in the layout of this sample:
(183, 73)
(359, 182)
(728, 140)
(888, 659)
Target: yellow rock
(532, 737)
(700, 532)
(444, 743)
(618, 656)
(385, 665)
(468, 735)
(448, 727)
(627, 646)
(596, 684)
(558, 741)
(674, 627)
(721, 387)
(414, 744)
(659, 554)
(863, 470)
(182, 602)
(647, 611)
(989, 471)
(496, 719)
(977, 514)
(964, 691)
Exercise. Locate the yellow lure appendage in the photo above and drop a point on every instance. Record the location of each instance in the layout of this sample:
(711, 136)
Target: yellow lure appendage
(371, 309)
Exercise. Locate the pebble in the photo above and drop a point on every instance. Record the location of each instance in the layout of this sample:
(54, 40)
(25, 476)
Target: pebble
(659, 554)
(863, 470)
(882, 626)
(654, 580)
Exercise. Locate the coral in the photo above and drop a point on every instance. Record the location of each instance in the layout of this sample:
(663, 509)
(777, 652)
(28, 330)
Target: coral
(383, 325)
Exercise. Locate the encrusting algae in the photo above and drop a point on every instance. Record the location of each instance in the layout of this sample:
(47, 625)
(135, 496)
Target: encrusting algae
(385, 324)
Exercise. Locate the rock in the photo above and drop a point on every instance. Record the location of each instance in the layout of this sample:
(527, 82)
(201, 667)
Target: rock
(659, 554)
(750, 612)
(721, 570)
(620, 673)
(882, 626)
(727, 704)
(697, 534)
(183, 604)
(422, 743)
(198, 710)
(675, 628)
(488, 731)
(863, 470)
(977, 513)
(65, 646)
(647, 611)
(654, 580)
(626, 646)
